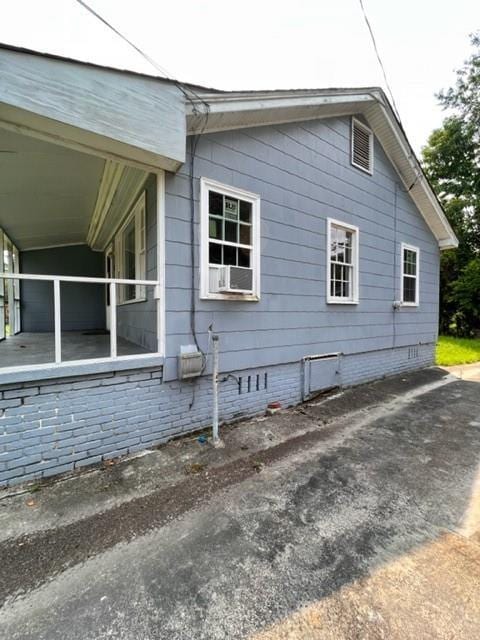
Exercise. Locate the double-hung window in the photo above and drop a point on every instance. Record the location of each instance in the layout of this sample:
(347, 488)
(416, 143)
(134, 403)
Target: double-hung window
(230, 242)
(410, 275)
(342, 263)
(130, 253)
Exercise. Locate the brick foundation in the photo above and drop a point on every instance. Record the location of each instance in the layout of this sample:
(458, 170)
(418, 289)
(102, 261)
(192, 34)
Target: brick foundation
(49, 428)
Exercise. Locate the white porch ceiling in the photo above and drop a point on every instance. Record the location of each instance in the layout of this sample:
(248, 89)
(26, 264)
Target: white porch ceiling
(47, 192)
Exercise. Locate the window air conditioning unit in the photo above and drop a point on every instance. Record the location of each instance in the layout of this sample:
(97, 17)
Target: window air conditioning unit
(230, 279)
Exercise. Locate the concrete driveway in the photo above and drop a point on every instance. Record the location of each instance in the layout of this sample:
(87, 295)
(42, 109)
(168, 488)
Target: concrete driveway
(355, 516)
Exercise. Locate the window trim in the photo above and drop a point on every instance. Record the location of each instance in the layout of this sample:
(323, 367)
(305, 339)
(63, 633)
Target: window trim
(140, 256)
(206, 184)
(409, 247)
(332, 222)
(359, 123)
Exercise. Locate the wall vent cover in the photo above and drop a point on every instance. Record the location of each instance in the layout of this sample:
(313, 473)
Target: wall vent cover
(321, 372)
(362, 146)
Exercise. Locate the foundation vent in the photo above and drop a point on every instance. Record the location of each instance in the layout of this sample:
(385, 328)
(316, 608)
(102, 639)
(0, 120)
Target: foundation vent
(412, 353)
(256, 382)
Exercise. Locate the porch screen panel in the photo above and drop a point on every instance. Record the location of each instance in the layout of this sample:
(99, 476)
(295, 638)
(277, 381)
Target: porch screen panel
(17, 320)
(2, 285)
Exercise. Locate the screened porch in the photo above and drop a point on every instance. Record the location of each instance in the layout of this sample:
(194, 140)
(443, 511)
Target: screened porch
(78, 276)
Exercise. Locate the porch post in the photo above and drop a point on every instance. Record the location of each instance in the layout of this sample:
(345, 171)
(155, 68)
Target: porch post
(160, 288)
(58, 321)
(113, 320)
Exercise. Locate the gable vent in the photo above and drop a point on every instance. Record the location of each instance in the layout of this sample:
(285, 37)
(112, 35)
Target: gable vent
(362, 146)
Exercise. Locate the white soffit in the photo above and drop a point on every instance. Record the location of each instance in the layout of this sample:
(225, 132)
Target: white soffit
(236, 110)
(47, 192)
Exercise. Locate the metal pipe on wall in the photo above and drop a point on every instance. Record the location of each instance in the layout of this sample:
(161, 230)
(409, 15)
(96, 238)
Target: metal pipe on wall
(215, 437)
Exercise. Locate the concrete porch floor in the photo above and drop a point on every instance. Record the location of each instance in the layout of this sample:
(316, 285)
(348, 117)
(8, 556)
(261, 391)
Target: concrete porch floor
(39, 348)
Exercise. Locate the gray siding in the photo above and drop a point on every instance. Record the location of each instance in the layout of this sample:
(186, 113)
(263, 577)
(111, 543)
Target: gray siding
(303, 174)
(137, 322)
(83, 305)
(128, 114)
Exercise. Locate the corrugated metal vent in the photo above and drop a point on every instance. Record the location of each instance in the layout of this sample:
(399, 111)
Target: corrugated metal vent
(362, 146)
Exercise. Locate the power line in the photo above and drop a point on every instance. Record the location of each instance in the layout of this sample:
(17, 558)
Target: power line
(194, 142)
(380, 60)
(146, 57)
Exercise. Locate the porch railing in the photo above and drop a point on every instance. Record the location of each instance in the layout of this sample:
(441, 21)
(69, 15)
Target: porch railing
(112, 282)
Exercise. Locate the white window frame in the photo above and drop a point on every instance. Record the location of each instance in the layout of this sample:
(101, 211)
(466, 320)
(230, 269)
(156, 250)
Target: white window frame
(359, 123)
(404, 246)
(139, 215)
(254, 199)
(331, 222)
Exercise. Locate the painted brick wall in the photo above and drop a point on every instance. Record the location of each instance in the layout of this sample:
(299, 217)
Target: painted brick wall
(47, 429)
(363, 367)
(50, 428)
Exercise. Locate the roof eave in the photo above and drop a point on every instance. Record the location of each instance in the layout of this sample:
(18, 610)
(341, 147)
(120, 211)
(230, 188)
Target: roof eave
(236, 110)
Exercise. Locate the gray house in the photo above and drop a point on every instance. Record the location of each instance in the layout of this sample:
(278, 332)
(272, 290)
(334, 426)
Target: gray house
(139, 216)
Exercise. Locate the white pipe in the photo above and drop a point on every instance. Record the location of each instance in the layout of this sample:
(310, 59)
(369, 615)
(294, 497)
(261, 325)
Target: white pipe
(215, 437)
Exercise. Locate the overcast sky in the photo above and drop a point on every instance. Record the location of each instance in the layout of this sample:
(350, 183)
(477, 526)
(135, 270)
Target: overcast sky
(267, 44)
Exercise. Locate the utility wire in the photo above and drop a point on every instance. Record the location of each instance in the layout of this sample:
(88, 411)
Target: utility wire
(145, 56)
(194, 141)
(379, 60)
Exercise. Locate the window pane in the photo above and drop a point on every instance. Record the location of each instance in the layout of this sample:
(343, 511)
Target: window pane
(338, 272)
(215, 228)
(231, 209)
(409, 262)
(245, 234)
(129, 259)
(130, 250)
(409, 289)
(341, 236)
(243, 258)
(215, 201)
(231, 231)
(334, 252)
(341, 280)
(245, 211)
(215, 253)
(229, 255)
(340, 253)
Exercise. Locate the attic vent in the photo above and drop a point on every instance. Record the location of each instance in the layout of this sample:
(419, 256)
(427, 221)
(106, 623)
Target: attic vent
(362, 146)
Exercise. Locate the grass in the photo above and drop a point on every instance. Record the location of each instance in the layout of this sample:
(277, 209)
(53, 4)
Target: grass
(452, 351)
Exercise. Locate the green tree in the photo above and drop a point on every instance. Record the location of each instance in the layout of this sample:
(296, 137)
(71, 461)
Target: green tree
(451, 160)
